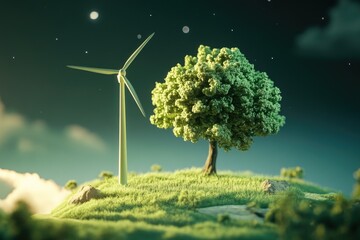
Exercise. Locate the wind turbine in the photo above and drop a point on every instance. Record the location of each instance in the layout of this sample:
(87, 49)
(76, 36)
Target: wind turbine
(122, 79)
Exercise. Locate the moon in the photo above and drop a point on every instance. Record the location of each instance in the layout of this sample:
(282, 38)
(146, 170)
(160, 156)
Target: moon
(94, 15)
(186, 29)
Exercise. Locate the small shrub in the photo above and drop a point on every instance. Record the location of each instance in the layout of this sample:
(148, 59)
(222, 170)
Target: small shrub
(21, 222)
(71, 185)
(105, 175)
(4, 226)
(313, 220)
(223, 218)
(19, 225)
(296, 172)
(356, 191)
(156, 168)
(187, 200)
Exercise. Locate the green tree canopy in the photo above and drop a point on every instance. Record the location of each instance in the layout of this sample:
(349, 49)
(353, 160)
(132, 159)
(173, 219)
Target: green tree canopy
(220, 97)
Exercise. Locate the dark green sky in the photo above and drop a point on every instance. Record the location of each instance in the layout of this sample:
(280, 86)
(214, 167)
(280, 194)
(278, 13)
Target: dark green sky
(63, 123)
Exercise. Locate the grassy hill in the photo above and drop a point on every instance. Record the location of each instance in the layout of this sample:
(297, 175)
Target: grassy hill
(164, 206)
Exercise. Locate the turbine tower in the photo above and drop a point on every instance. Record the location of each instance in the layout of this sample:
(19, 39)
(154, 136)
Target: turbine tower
(122, 79)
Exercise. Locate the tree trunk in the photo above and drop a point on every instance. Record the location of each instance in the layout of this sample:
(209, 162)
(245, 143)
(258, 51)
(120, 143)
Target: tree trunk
(210, 164)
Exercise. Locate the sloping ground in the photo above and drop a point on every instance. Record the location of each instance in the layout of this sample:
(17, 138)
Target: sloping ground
(166, 204)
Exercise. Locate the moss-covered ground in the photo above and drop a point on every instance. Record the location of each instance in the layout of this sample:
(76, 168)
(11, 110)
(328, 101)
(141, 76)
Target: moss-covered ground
(163, 206)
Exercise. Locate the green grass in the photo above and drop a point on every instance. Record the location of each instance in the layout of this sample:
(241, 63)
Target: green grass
(163, 206)
(126, 229)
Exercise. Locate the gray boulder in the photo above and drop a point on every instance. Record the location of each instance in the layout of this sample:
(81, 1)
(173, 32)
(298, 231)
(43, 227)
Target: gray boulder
(240, 212)
(86, 193)
(274, 186)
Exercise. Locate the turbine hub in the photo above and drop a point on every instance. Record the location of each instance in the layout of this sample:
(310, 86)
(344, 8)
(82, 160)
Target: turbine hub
(122, 73)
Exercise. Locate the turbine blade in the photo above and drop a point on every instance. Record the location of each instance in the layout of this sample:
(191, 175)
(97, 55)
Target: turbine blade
(134, 95)
(95, 70)
(137, 51)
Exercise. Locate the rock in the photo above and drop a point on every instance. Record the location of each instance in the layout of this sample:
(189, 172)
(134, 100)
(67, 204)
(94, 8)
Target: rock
(274, 186)
(240, 212)
(85, 194)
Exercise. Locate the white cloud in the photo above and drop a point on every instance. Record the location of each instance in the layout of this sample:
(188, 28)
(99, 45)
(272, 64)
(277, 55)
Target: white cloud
(34, 146)
(41, 195)
(10, 124)
(21, 136)
(25, 145)
(339, 39)
(83, 136)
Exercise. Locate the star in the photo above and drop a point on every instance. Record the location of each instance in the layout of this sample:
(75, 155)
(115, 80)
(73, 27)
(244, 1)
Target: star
(322, 18)
(272, 58)
(150, 15)
(213, 14)
(56, 39)
(232, 29)
(86, 52)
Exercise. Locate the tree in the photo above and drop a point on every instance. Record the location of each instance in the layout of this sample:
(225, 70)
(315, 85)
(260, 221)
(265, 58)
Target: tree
(217, 96)
(156, 168)
(356, 191)
(296, 172)
(106, 175)
(71, 185)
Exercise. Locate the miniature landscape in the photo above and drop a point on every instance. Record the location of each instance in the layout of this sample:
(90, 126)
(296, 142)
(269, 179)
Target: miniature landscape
(217, 95)
(186, 204)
